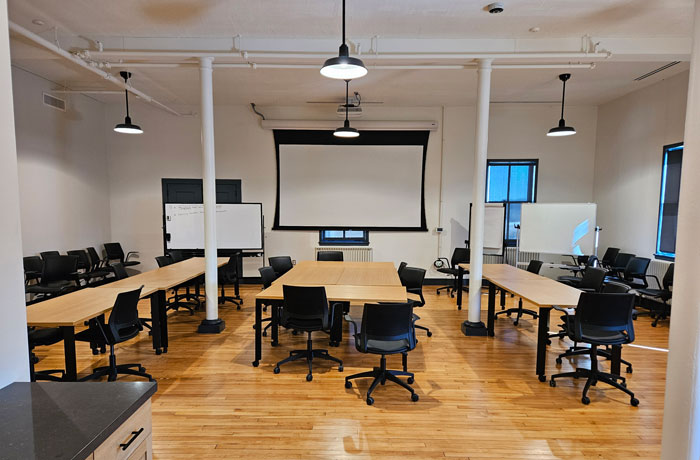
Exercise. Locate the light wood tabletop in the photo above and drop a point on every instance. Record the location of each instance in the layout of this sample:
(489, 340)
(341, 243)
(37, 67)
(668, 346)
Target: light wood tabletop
(346, 293)
(72, 309)
(348, 273)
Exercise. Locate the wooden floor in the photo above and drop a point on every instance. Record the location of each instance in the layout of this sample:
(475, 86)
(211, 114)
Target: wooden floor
(479, 397)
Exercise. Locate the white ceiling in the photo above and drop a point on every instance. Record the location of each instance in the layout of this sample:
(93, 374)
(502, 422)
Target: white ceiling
(618, 22)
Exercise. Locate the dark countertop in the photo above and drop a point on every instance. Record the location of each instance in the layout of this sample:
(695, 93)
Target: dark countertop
(56, 420)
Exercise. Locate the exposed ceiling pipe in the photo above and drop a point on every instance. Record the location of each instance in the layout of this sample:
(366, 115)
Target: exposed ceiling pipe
(65, 54)
(85, 91)
(252, 65)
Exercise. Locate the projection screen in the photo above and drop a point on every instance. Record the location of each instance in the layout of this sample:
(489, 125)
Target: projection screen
(350, 185)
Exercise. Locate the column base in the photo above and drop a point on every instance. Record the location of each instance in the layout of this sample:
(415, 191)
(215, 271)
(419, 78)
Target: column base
(211, 326)
(474, 329)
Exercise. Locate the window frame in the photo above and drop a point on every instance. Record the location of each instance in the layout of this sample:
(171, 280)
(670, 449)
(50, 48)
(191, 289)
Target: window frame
(344, 241)
(658, 254)
(512, 162)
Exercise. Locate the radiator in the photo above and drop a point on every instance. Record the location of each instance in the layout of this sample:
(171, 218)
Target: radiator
(510, 257)
(351, 254)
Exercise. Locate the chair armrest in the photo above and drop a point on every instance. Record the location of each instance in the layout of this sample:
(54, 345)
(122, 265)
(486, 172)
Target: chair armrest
(446, 262)
(355, 327)
(128, 254)
(658, 283)
(561, 309)
(586, 289)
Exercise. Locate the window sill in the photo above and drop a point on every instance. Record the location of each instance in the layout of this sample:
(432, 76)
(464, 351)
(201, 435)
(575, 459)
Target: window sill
(664, 257)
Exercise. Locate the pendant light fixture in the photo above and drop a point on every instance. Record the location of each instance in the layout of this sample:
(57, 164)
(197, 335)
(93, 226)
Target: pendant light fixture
(346, 131)
(127, 127)
(562, 129)
(343, 67)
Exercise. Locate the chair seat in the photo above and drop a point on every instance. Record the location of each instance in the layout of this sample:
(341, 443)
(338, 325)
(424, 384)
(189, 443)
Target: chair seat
(310, 325)
(384, 347)
(130, 263)
(569, 279)
(45, 336)
(659, 293)
(598, 337)
(449, 271)
(95, 335)
(49, 288)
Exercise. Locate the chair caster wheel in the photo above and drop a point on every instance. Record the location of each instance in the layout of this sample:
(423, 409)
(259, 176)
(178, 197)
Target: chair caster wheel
(508, 314)
(276, 370)
(552, 383)
(238, 307)
(459, 308)
(142, 369)
(437, 293)
(348, 384)
(586, 400)
(549, 342)
(295, 332)
(452, 296)
(629, 369)
(634, 317)
(623, 384)
(165, 349)
(340, 368)
(653, 324)
(309, 377)
(515, 323)
(410, 380)
(558, 361)
(264, 334)
(543, 378)
(158, 351)
(370, 400)
(430, 334)
(634, 402)
(95, 351)
(414, 397)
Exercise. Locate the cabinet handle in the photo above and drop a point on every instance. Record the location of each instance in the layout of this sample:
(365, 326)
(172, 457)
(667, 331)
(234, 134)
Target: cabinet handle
(134, 435)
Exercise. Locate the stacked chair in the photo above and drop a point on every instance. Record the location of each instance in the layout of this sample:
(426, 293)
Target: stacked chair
(658, 299)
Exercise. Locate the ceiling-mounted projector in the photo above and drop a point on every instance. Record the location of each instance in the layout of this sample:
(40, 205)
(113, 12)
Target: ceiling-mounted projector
(353, 111)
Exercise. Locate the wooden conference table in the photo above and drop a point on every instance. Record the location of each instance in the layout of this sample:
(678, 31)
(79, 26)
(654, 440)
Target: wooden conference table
(544, 292)
(345, 282)
(73, 309)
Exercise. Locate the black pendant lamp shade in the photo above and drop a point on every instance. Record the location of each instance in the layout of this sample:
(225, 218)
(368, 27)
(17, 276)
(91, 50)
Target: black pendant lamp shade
(343, 67)
(127, 127)
(562, 129)
(346, 131)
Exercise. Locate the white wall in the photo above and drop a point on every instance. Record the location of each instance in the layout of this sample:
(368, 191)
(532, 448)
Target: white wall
(62, 161)
(170, 148)
(14, 354)
(632, 131)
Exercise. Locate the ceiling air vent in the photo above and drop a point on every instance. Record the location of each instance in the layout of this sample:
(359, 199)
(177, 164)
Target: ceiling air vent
(54, 102)
(655, 71)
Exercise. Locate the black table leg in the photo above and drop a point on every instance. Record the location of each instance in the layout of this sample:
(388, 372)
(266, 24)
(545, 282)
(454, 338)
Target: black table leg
(275, 315)
(491, 311)
(615, 358)
(503, 299)
(157, 298)
(69, 353)
(460, 281)
(163, 312)
(542, 337)
(337, 324)
(258, 332)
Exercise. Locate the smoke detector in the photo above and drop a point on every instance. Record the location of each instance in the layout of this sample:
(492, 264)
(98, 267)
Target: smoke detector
(495, 8)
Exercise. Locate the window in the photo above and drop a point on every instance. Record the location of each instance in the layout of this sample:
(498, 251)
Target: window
(668, 202)
(344, 237)
(513, 182)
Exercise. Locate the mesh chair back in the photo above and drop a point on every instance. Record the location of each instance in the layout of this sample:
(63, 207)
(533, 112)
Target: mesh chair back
(622, 259)
(402, 265)
(610, 256)
(330, 256)
(637, 267)
(612, 287)
(83, 259)
(534, 266)
(124, 320)
(95, 259)
(114, 251)
(593, 279)
(164, 261)
(387, 322)
(598, 314)
(268, 275)
(412, 277)
(176, 256)
(58, 268)
(281, 264)
(47, 254)
(35, 264)
(307, 305)
(668, 278)
(582, 260)
(119, 271)
(229, 272)
(459, 256)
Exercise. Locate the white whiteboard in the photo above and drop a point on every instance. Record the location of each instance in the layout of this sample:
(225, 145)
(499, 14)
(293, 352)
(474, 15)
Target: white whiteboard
(494, 227)
(558, 228)
(238, 226)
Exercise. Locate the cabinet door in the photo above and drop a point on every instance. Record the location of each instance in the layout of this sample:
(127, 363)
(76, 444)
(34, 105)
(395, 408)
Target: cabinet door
(143, 451)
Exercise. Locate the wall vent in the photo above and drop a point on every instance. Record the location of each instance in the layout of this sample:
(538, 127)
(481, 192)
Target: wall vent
(54, 102)
(655, 71)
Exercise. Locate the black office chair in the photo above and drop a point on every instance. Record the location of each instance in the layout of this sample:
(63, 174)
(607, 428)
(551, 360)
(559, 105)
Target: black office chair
(387, 329)
(412, 279)
(33, 265)
(329, 256)
(306, 309)
(174, 302)
(43, 337)
(591, 261)
(115, 252)
(658, 299)
(591, 281)
(601, 319)
(44, 255)
(619, 265)
(609, 257)
(88, 275)
(228, 274)
(120, 273)
(123, 325)
(533, 267)
(177, 255)
(97, 263)
(281, 264)
(267, 276)
(635, 273)
(58, 277)
(459, 256)
(402, 265)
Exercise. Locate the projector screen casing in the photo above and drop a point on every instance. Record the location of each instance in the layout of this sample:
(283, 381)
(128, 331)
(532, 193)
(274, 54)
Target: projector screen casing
(293, 142)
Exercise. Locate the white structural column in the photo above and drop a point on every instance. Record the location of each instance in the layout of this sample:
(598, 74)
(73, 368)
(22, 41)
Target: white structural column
(681, 429)
(212, 323)
(474, 325)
